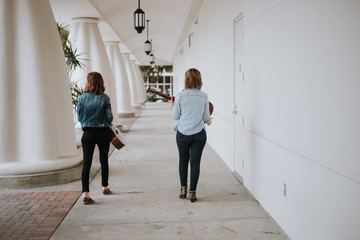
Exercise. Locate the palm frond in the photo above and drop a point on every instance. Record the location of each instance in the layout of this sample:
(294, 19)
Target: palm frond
(72, 56)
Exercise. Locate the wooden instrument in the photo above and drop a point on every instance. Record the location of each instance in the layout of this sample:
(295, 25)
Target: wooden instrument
(151, 90)
(116, 137)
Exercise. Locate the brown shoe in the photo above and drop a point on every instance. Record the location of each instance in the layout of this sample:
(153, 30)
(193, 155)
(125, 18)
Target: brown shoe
(87, 200)
(192, 196)
(106, 191)
(183, 192)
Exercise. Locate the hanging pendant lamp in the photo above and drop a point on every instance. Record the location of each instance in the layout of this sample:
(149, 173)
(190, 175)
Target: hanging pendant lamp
(139, 19)
(147, 45)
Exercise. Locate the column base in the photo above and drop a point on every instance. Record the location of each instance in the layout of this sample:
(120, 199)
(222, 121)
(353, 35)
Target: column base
(137, 107)
(37, 178)
(126, 114)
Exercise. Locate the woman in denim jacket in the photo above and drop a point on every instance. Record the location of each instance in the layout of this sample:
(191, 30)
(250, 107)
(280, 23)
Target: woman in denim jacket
(191, 110)
(95, 116)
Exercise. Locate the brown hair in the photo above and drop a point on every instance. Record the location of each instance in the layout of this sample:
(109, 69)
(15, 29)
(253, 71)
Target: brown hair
(95, 83)
(193, 79)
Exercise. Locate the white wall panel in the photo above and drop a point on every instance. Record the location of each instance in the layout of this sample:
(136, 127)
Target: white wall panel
(307, 86)
(302, 106)
(301, 73)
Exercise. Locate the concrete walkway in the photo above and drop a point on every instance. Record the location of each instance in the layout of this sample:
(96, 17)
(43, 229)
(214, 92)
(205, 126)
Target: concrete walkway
(145, 203)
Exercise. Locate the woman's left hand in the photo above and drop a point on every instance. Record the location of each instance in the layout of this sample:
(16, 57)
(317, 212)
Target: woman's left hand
(209, 122)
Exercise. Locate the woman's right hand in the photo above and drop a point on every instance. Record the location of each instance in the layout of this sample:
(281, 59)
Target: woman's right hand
(172, 102)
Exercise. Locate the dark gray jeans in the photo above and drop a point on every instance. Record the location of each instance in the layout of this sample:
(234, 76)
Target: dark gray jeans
(190, 149)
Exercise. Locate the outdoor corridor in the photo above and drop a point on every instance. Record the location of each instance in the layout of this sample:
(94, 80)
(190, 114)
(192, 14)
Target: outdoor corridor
(145, 203)
(283, 77)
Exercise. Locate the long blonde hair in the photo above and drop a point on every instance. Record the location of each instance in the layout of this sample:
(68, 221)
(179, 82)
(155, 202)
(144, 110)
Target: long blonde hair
(193, 78)
(95, 83)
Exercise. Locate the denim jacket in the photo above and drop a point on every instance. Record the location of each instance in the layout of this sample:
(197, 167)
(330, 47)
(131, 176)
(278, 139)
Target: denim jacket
(94, 110)
(191, 110)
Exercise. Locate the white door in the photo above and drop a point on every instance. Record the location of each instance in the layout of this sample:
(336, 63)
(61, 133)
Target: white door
(239, 163)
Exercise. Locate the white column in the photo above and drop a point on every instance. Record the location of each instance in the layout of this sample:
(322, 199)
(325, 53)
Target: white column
(132, 81)
(141, 77)
(85, 36)
(121, 80)
(36, 121)
(140, 82)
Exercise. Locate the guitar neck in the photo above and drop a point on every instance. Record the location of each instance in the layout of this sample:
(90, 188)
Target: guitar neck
(159, 93)
(150, 90)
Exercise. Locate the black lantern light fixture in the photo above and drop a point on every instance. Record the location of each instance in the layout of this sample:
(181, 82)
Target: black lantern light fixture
(139, 19)
(147, 45)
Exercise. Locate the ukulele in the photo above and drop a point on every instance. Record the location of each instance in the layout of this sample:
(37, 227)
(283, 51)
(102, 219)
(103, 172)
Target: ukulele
(153, 91)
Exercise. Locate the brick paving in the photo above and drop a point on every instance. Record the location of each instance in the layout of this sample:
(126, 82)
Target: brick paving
(33, 215)
(36, 215)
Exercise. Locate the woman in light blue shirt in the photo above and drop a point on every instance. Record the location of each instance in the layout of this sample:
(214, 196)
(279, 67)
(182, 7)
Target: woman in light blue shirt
(191, 110)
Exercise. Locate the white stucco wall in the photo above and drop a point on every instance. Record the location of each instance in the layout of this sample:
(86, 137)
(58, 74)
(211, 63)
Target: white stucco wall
(301, 111)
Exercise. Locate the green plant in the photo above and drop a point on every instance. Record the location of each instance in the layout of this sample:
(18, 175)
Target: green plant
(73, 61)
(76, 92)
(148, 70)
(151, 98)
(72, 57)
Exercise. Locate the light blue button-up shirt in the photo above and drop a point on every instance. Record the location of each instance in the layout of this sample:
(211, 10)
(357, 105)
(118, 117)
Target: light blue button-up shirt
(191, 110)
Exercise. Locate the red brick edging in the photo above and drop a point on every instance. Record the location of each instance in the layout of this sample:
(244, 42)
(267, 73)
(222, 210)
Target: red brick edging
(33, 215)
(36, 215)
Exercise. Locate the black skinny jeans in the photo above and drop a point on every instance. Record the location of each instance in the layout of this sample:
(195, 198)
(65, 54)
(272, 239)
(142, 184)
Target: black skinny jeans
(190, 148)
(95, 136)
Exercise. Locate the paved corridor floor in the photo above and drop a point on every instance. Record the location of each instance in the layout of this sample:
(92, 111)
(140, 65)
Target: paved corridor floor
(145, 204)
